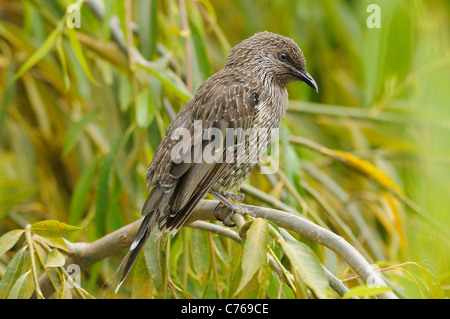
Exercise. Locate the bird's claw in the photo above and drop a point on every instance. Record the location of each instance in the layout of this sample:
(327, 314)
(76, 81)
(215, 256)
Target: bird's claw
(226, 202)
(227, 221)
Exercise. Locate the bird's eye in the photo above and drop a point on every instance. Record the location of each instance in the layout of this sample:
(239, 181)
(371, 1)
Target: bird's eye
(282, 56)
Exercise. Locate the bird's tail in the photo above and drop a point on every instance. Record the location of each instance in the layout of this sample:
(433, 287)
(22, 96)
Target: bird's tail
(143, 233)
(155, 209)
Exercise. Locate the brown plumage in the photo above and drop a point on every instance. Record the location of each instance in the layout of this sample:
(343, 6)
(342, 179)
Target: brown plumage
(249, 95)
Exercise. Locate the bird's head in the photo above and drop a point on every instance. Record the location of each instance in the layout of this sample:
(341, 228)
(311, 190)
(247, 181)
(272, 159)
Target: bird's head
(272, 57)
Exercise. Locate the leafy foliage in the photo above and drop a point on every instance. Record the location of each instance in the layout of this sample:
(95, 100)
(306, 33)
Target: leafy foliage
(367, 158)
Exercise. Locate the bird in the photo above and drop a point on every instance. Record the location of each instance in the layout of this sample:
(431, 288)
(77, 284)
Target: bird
(247, 96)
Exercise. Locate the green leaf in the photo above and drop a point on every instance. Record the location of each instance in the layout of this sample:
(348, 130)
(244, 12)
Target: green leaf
(14, 270)
(436, 290)
(82, 192)
(428, 280)
(274, 288)
(366, 168)
(170, 82)
(115, 220)
(200, 50)
(143, 285)
(180, 292)
(38, 105)
(290, 158)
(125, 92)
(365, 291)
(257, 286)
(54, 274)
(147, 17)
(23, 287)
(8, 240)
(8, 94)
(62, 60)
(255, 250)
(39, 53)
(55, 259)
(56, 242)
(79, 54)
(200, 252)
(103, 184)
(156, 260)
(74, 132)
(145, 109)
(306, 266)
(53, 228)
(64, 291)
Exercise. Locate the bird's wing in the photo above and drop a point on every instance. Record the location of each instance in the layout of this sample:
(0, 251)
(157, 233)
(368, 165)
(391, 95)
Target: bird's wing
(233, 108)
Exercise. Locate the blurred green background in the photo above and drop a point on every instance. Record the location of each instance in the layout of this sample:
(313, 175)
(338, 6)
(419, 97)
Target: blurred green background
(80, 123)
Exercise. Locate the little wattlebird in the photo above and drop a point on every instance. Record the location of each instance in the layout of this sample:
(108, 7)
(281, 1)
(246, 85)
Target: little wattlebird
(249, 97)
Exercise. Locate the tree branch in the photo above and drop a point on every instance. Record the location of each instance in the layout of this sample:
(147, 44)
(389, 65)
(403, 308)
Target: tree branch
(86, 254)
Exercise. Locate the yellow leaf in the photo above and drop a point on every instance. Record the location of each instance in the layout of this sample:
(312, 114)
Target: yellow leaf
(366, 168)
(393, 205)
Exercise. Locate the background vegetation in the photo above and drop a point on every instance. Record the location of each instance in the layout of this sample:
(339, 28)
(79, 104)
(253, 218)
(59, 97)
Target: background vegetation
(367, 158)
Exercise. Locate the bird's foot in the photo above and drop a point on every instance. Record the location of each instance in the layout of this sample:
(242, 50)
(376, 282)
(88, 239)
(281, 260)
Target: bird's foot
(227, 221)
(226, 203)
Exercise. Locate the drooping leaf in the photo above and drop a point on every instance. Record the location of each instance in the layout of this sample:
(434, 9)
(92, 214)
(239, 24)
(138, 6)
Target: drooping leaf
(37, 104)
(306, 266)
(39, 53)
(398, 225)
(74, 132)
(255, 250)
(148, 26)
(427, 283)
(156, 260)
(7, 97)
(62, 60)
(14, 270)
(434, 286)
(143, 286)
(104, 181)
(368, 169)
(145, 109)
(257, 286)
(82, 192)
(53, 274)
(200, 253)
(23, 287)
(64, 291)
(279, 289)
(125, 93)
(170, 81)
(179, 291)
(79, 54)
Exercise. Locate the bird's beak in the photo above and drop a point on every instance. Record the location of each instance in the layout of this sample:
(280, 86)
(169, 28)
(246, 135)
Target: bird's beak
(308, 79)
